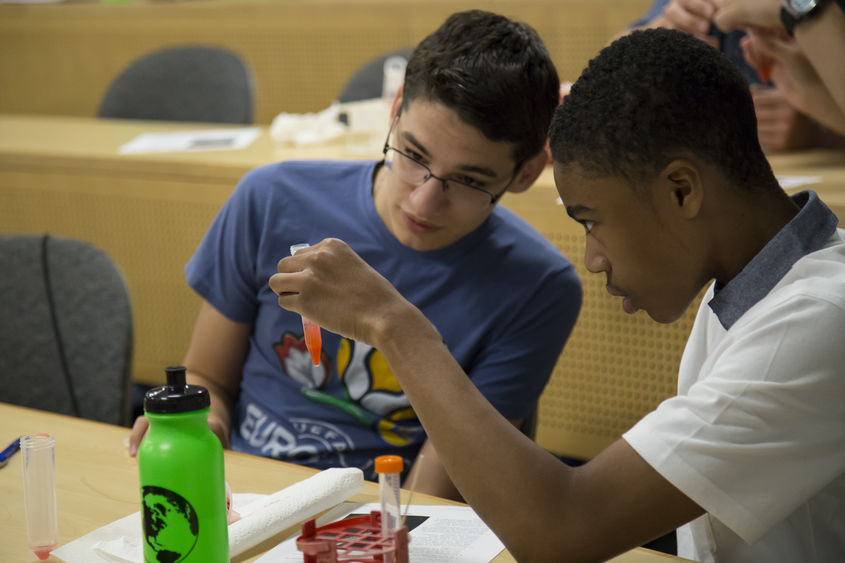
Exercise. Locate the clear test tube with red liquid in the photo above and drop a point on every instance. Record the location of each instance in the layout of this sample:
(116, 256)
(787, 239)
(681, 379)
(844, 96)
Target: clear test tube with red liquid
(39, 491)
(311, 331)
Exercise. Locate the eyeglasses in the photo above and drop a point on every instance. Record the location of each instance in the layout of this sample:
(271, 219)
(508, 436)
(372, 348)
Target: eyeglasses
(460, 191)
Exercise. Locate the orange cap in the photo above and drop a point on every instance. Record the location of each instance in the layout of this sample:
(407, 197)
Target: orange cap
(388, 464)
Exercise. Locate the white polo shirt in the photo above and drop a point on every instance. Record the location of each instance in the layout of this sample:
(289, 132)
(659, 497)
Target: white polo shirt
(756, 434)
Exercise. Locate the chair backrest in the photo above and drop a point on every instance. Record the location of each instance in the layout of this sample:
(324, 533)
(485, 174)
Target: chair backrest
(190, 83)
(65, 328)
(366, 83)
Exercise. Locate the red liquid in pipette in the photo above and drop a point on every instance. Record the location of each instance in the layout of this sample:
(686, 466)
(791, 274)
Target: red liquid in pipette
(313, 340)
(765, 72)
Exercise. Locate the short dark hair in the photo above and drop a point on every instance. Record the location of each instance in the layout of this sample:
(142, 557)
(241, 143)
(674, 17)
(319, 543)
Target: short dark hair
(652, 96)
(495, 73)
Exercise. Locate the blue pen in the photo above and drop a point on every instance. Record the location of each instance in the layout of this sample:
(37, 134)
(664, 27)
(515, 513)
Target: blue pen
(6, 454)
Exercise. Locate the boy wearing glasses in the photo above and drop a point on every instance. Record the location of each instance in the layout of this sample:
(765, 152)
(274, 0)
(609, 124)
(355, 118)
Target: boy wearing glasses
(468, 125)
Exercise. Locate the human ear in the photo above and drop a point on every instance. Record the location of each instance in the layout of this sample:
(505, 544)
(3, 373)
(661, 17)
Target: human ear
(529, 172)
(683, 188)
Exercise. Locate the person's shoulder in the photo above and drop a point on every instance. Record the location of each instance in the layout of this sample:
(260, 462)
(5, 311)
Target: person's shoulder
(819, 275)
(292, 169)
(309, 176)
(827, 262)
(512, 228)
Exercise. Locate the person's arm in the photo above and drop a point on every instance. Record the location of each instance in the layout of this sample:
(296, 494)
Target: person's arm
(822, 39)
(539, 507)
(429, 476)
(819, 38)
(795, 77)
(214, 360)
(781, 127)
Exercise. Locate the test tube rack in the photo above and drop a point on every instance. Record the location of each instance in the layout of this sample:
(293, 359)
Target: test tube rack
(355, 539)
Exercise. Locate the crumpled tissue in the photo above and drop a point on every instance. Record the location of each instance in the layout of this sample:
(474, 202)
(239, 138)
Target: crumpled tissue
(302, 129)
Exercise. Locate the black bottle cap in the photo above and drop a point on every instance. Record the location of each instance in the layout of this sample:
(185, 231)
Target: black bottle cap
(176, 396)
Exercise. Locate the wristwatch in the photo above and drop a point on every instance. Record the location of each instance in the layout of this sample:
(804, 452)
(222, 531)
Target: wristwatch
(794, 11)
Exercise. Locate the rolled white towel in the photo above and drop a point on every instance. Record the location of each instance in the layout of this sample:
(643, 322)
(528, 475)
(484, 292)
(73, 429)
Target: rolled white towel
(283, 509)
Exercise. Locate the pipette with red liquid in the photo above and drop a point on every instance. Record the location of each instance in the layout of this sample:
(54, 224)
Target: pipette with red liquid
(313, 337)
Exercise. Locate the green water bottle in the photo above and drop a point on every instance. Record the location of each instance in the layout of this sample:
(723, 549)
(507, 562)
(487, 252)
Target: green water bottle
(183, 490)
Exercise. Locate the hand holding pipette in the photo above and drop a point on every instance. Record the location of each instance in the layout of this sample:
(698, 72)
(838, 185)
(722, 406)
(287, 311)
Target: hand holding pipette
(313, 337)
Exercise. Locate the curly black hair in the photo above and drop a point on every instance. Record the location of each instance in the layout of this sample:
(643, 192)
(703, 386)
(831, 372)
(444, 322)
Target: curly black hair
(653, 96)
(495, 73)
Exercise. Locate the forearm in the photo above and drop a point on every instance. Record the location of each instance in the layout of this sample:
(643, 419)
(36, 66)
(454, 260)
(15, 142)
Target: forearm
(214, 360)
(222, 401)
(822, 38)
(816, 101)
(485, 455)
(429, 476)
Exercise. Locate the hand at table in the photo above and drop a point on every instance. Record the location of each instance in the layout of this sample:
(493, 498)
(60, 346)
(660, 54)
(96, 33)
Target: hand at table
(142, 426)
(332, 286)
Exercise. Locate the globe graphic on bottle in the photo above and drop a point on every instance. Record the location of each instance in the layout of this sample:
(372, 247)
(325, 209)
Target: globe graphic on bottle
(170, 524)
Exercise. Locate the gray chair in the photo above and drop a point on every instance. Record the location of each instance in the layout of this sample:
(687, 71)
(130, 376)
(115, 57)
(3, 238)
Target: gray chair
(366, 82)
(65, 328)
(186, 83)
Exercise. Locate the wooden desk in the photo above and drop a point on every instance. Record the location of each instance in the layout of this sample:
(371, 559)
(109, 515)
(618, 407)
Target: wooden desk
(97, 483)
(148, 212)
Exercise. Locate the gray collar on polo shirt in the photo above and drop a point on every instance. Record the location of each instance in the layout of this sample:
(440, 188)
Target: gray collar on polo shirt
(807, 232)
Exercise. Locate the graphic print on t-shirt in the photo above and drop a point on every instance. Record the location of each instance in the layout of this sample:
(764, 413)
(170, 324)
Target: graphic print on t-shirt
(371, 395)
(296, 362)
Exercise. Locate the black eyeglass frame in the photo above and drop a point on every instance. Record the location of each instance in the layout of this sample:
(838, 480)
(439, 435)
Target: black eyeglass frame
(493, 197)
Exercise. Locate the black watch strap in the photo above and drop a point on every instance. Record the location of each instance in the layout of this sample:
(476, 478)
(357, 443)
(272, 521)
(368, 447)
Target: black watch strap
(788, 21)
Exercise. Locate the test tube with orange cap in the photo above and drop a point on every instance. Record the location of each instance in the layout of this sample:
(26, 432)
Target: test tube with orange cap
(389, 469)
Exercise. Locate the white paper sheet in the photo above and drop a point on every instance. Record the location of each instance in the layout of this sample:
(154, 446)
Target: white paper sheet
(120, 541)
(188, 141)
(449, 534)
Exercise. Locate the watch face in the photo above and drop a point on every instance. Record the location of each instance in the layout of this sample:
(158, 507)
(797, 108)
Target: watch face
(801, 7)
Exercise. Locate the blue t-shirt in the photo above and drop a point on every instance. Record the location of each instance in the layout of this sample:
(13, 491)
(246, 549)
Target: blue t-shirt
(503, 298)
(728, 42)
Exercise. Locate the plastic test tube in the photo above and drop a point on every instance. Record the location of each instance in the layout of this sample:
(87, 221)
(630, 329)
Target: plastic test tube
(311, 331)
(39, 491)
(389, 469)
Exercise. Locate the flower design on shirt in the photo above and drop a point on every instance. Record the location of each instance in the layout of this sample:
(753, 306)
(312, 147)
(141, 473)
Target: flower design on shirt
(296, 362)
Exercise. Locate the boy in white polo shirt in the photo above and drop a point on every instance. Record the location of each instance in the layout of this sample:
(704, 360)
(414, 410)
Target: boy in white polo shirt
(656, 154)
